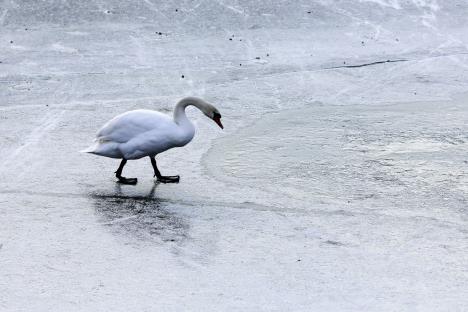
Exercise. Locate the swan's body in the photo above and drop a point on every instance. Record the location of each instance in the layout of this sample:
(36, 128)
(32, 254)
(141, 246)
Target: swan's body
(139, 133)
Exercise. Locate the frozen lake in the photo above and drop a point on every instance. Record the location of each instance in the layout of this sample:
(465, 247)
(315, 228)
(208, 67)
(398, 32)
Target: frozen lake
(340, 181)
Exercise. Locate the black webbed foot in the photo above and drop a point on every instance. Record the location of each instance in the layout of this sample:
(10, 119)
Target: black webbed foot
(168, 179)
(161, 178)
(124, 180)
(131, 181)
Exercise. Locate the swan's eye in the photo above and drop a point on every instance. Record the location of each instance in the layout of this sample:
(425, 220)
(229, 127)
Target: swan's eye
(216, 115)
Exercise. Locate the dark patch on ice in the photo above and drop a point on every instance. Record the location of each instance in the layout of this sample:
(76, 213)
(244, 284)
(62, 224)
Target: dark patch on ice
(367, 64)
(142, 217)
(334, 243)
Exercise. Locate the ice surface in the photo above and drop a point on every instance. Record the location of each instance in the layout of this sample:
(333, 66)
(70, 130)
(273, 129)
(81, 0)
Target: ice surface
(339, 183)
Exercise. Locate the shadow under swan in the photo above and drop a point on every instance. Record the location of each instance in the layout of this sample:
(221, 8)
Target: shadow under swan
(140, 217)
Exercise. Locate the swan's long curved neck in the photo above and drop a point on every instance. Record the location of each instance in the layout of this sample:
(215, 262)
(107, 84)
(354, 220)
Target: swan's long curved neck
(180, 117)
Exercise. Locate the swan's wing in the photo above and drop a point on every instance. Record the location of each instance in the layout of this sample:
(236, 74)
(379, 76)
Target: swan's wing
(149, 143)
(129, 125)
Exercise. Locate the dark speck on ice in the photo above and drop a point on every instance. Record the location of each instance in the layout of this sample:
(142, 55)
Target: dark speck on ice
(335, 243)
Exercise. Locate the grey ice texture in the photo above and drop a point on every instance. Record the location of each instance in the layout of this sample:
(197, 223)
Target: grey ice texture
(339, 184)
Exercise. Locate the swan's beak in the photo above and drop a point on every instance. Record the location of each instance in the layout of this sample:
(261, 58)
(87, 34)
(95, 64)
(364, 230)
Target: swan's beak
(217, 119)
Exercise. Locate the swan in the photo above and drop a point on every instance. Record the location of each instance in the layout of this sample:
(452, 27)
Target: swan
(140, 133)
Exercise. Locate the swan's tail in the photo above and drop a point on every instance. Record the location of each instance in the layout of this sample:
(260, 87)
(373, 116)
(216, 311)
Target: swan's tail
(108, 149)
(91, 149)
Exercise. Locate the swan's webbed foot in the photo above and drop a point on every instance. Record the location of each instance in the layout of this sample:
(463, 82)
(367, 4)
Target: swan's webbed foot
(161, 178)
(168, 179)
(124, 180)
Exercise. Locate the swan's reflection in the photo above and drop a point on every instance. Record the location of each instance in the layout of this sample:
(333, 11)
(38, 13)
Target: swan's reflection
(142, 217)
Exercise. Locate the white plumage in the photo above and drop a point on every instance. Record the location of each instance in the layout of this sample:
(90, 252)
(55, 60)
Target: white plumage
(140, 133)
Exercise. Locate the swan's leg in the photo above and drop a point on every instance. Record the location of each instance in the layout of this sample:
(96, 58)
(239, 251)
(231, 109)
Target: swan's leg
(124, 180)
(161, 178)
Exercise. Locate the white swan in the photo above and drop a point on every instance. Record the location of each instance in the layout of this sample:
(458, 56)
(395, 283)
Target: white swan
(139, 133)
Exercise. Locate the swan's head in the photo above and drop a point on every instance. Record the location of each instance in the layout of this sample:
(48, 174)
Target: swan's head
(209, 110)
(213, 113)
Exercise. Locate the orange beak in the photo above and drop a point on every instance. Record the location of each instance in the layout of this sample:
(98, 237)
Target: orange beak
(217, 119)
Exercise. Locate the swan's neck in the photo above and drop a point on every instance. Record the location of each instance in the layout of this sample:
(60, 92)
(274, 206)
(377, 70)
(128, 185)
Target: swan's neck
(180, 117)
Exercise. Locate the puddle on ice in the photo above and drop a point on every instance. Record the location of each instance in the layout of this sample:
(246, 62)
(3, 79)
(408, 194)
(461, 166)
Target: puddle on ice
(140, 217)
(350, 154)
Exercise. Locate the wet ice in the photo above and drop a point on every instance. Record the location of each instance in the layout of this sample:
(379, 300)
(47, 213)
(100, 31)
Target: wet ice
(331, 155)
